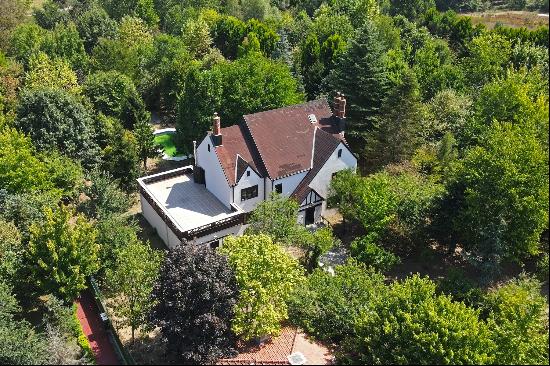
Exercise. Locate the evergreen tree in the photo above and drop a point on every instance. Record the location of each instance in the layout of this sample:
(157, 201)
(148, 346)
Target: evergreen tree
(396, 134)
(360, 74)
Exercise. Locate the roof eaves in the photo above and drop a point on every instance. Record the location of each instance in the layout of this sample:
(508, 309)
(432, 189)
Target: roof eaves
(219, 161)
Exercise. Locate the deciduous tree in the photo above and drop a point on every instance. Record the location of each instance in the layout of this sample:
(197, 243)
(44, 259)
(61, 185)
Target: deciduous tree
(114, 94)
(504, 207)
(62, 253)
(19, 343)
(195, 297)
(266, 275)
(411, 324)
(46, 73)
(518, 320)
(131, 282)
(55, 119)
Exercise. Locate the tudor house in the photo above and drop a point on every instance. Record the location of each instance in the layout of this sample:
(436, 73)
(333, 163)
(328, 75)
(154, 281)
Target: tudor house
(294, 151)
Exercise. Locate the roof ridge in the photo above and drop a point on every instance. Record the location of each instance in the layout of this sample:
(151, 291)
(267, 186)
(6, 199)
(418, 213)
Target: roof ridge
(320, 100)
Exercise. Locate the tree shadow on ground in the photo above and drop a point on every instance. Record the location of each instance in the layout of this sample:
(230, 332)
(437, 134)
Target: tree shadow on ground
(148, 349)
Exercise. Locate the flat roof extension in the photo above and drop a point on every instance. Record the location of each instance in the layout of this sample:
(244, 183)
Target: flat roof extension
(188, 204)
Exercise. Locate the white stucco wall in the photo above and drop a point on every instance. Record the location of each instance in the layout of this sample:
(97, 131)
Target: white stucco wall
(321, 182)
(214, 176)
(289, 183)
(235, 230)
(170, 239)
(165, 233)
(245, 182)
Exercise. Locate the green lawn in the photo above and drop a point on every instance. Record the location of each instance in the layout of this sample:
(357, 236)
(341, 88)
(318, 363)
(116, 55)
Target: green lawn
(166, 140)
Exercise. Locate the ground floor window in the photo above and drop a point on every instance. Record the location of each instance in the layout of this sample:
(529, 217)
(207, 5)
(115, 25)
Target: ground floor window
(214, 244)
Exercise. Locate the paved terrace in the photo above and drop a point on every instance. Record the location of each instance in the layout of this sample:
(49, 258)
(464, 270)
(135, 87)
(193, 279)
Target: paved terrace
(188, 204)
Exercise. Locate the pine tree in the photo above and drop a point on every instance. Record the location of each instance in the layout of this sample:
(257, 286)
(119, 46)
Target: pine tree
(396, 134)
(360, 74)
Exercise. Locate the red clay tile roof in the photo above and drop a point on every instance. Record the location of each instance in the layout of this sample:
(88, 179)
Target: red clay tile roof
(272, 352)
(277, 350)
(234, 144)
(284, 136)
(325, 144)
(275, 143)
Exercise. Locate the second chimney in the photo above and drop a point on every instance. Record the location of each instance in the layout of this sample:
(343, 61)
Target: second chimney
(339, 105)
(340, 111)
(217, 130)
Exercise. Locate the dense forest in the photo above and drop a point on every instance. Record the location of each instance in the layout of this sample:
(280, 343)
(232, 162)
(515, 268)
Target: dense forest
(449, 121)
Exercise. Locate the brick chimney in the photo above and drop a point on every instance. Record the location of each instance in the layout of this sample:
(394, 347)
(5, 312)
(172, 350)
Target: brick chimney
(216, 130)
(340, 111)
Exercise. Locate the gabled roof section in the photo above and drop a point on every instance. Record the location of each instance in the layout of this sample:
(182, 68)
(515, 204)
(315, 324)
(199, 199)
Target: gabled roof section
(236, 153)
(284, 137)
(325, 144)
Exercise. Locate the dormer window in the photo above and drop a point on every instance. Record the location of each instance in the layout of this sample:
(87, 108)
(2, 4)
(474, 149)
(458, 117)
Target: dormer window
(248, 173)
(339, 153)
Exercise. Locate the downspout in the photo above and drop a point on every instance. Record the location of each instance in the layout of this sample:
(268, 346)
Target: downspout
(195, 151)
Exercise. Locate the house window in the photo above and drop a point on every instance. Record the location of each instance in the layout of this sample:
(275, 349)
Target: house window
(248, 193)
(248, 173)
(214, 244)
(279, 188)
(340, 153)
(208, 147)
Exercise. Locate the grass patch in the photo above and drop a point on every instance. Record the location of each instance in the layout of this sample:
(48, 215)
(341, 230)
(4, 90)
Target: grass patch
(166, 140)
(514, 19)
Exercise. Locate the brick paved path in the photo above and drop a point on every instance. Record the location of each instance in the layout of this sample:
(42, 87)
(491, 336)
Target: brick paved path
(93, 328)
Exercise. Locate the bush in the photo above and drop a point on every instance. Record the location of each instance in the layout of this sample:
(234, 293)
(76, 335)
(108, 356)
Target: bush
(461, 288)
(366, 251)
(518, 319)
(326, 306)
(81, 338)
(411, 324)
(542, 268)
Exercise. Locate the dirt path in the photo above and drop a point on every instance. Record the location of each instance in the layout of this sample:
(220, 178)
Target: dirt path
(93, 328)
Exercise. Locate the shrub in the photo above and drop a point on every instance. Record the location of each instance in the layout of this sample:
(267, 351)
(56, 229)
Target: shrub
(461, 288)
(326, 306)
(542, 268)
(366, 251)
(413, 325)
(518, 319)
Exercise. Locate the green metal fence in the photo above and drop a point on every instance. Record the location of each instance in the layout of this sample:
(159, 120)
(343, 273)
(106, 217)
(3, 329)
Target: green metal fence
(124, 356)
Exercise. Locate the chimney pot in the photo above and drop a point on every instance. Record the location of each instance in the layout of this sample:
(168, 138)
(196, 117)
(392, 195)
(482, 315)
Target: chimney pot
(342, 107)
(336, 104)
(217, 130)
(217, 124)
